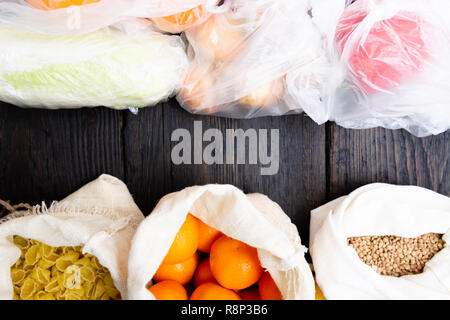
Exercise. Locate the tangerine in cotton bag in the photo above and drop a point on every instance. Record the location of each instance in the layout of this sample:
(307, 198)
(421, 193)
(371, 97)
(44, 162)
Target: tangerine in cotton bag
(252, 219)
(99, 219)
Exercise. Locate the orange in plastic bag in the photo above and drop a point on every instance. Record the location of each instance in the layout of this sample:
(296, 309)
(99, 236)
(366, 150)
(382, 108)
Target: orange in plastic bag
(58, 4)
(219, 38)
(182, 21)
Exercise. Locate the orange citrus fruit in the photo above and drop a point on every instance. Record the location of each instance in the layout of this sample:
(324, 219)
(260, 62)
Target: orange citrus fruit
(169, 290)
(265, 95)
(251, 294)
(206, 236)
(234, 264)
(319, 293)
(182, 21)
(203, 273)
(198, 88)
(58, 4)
(268, 289)
(181, 272)
(218, 39)
(185, 244)
(212, 291)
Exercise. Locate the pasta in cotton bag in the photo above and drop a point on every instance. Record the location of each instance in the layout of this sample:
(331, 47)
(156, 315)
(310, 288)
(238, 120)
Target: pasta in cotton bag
(75, 249)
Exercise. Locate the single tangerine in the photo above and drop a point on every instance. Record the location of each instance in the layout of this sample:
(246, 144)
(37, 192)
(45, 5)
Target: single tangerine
(203, 273)
(212, 291)
(217, 39)
(198, 88)
(185, 244)
(182, 21)
(234, 264)
(251, 294)
(206, 236)
(181, 272)
(265, 95)
(169, 290)
(268, 289)
(58, 4)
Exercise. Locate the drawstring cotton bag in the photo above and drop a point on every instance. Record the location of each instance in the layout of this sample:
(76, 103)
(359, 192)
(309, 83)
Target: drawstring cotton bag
(253, 219)
(379, 210)
(101, 217)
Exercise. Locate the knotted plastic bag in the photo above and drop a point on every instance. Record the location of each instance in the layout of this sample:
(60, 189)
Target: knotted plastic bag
(253, 219)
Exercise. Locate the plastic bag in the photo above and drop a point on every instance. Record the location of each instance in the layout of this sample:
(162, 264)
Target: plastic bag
(394, 57)
(257, 58)
(313, 85)
(70, 17)
(253, 219)
(379, 210)
(101, 217)
(127, 65)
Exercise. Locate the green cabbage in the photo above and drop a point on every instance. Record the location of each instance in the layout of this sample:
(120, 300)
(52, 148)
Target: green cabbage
(109, 68)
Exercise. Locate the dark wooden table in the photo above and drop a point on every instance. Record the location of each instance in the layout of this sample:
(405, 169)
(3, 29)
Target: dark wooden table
(46, 155)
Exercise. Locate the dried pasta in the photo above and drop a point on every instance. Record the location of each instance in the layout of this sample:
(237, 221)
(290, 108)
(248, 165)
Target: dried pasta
(64, 273)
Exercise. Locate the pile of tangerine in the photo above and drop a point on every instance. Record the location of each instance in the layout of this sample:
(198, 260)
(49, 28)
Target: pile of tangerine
(230, 269)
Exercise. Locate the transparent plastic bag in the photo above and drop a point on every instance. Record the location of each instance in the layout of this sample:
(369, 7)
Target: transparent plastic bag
(71, 17)
(253, 59)
(312, 86)
(126, 65)
(394, 57)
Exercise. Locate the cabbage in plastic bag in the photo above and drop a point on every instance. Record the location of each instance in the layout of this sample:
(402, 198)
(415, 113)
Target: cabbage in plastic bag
(130, 66)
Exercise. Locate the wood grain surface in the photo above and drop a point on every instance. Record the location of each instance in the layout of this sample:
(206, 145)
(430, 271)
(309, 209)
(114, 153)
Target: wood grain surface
(46, 155)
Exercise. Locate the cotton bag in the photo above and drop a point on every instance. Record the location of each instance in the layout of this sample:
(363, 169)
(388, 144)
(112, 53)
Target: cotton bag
(253, 219)
(379, 210)
(101, 217)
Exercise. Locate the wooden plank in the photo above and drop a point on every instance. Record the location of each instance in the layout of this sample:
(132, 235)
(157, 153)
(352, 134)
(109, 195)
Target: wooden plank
(48, 154)
(300, 184)
(145, 157)
(359, 157)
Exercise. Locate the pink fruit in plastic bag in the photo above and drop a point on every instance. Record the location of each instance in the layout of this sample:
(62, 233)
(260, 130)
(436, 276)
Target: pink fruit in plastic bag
(392, 51)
